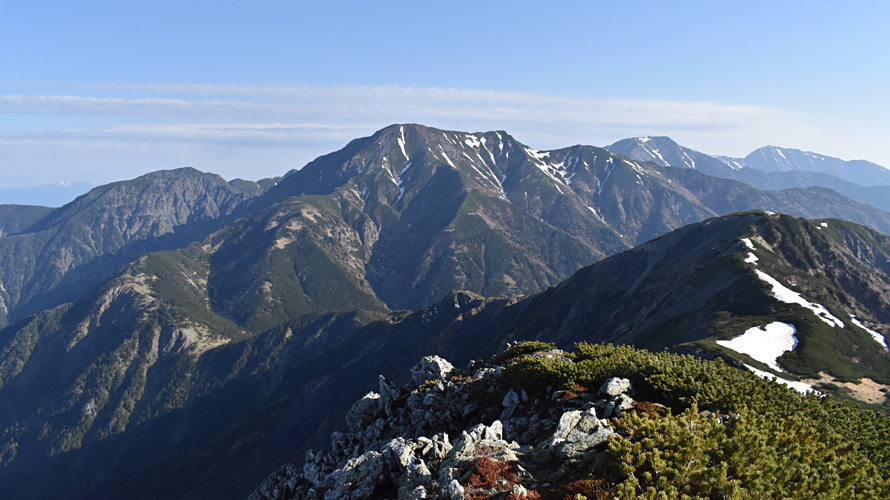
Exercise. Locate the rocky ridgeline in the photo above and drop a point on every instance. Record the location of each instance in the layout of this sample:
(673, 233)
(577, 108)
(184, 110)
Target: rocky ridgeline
(455, 434)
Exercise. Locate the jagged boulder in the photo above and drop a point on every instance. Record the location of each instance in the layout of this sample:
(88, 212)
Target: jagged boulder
(434, 449)
(314, 468)
(578, 432)
(510, 402)
(388, 394)
(280, 485)
(408, 471)
(363, 409)
(430, 368)
(479, 440)
(616, 405)
(356, 479)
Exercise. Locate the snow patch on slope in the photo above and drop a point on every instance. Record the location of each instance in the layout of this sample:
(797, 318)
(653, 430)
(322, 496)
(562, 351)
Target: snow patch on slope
(596, 213)
(875, 335)
(399, 183)
(401, 141)
(797, 386)
(555, 171)
(789, 296)
(447, 159)
(764, 344)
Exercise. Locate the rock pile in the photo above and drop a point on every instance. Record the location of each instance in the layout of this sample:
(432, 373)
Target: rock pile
(454, 434)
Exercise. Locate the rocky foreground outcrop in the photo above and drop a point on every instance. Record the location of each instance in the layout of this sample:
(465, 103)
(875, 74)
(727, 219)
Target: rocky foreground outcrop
(454, 434)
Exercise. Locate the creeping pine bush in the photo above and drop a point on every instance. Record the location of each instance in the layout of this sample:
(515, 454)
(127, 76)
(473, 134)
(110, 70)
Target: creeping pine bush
(521, 348)
(757, 439)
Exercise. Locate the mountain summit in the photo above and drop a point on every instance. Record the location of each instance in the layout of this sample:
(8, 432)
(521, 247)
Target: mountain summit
(772, 158)
(770, 168)
(64, 254)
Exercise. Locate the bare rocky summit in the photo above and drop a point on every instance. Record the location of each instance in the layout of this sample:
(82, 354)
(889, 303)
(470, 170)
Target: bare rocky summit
(436, 438)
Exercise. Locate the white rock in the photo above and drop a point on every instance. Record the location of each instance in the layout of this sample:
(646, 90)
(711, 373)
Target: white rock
(615, 386)
(510, 402)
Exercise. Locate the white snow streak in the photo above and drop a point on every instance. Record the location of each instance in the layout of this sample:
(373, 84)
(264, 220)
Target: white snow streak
(447, 159)
(490, 154)
(655, 154)
(875, 335)
(538, 155)
(789, 296)
(797, 386)
(692, 165)
(595, 213)
(751, 259)
(747, 242)
(765, 344)
(401, 141)
(569, 179)
(543, 167)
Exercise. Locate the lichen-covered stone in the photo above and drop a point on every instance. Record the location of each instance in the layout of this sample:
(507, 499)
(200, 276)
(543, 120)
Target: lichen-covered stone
(430, 368)
(579, 432)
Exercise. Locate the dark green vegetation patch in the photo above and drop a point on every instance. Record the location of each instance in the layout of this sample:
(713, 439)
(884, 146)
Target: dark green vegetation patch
(726, 434)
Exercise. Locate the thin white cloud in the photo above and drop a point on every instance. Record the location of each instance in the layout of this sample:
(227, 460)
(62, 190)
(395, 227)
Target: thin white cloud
(166, 124)
(57, 104)
(335, 104)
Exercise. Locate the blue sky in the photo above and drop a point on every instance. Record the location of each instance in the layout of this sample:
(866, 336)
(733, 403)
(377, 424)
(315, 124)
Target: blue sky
(110, 90)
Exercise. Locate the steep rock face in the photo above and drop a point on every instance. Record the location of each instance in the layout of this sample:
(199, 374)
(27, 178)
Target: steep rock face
(72, 249)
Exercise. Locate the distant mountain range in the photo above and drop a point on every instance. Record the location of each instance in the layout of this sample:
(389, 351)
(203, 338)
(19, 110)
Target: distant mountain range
(179, 336)
(770, 168)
